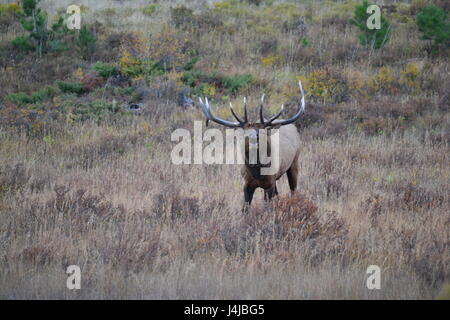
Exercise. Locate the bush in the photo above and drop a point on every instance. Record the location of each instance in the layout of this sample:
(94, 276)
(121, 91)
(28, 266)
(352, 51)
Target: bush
(22, 98)
(375, 38)
(433, 23)
(384, 81)
(149, 10)
(181, 16)
(23, 43)
(98, 110)
(19, 98)
(70, 87)
(8, 14)
(86, 42)
(92, 81)
(40, 38)
(133, 68)
(233, 83)
(170, 48)
(327, 86)
(206, 84)
(8, 9)
(409, 77)
(105, 70)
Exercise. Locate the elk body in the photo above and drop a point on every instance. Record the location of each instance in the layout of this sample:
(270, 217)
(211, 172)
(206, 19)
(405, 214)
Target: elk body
(288, 147)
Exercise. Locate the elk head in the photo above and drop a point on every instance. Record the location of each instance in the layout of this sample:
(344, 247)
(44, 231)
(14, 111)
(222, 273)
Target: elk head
(254, 131)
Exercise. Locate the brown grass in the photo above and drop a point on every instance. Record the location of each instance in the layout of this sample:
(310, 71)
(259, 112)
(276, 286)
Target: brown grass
(140, 227)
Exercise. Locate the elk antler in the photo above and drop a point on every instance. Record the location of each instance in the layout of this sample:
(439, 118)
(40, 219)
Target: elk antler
(273, 122)
(210, 117)
(240, 123)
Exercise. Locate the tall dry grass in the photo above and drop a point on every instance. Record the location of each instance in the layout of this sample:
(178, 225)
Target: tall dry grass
(140, 227)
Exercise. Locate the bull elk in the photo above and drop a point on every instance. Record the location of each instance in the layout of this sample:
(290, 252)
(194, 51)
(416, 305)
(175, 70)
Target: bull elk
(288, 148)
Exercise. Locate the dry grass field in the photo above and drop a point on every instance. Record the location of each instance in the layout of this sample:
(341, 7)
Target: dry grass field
(86, 181)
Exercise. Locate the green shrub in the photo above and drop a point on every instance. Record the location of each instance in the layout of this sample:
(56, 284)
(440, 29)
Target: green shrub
(370, 38)
(233, 83)
(23, 43)
(190, 65)
(149, 9)
(22, 98)
(9, 9)
(70, 87)
(19, 98)
(57, 33)
(86, 42)
(193, 77)
(105, 70)
(433, 23)
(97, 110)
(40, 37)
(149, 68)
(203, 82)
(44, 93)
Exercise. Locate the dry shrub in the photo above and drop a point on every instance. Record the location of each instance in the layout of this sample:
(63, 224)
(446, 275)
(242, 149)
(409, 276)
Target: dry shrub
(31, 73)
(13, 177)
(37, 255)
(325, 164)
(92, 81)
(65, 210)
(79, 213)
(334, 187)
(170, 48)
(426, 253)
(295, 215)
(374, 126)
(268, 46)
(327, 85)
(414, 197)
(163, 89)
(17, 178)
(292, 217)
(431, 266)
(133, 254)
(374, 206)
(108, 50)
(293, 220)
(315, 114)
(336, 22)
(7, 21)
(109, 146)
(185, 18)
(170, 202)
(19, 119)
(332, 129)
(436, 139)
(302, 56)
(80, 203)
(397, 158)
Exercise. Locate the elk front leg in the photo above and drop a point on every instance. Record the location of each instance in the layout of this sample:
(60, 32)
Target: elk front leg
(248, 197)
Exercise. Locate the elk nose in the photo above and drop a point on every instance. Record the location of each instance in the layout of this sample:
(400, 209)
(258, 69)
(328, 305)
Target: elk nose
(252, 139)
